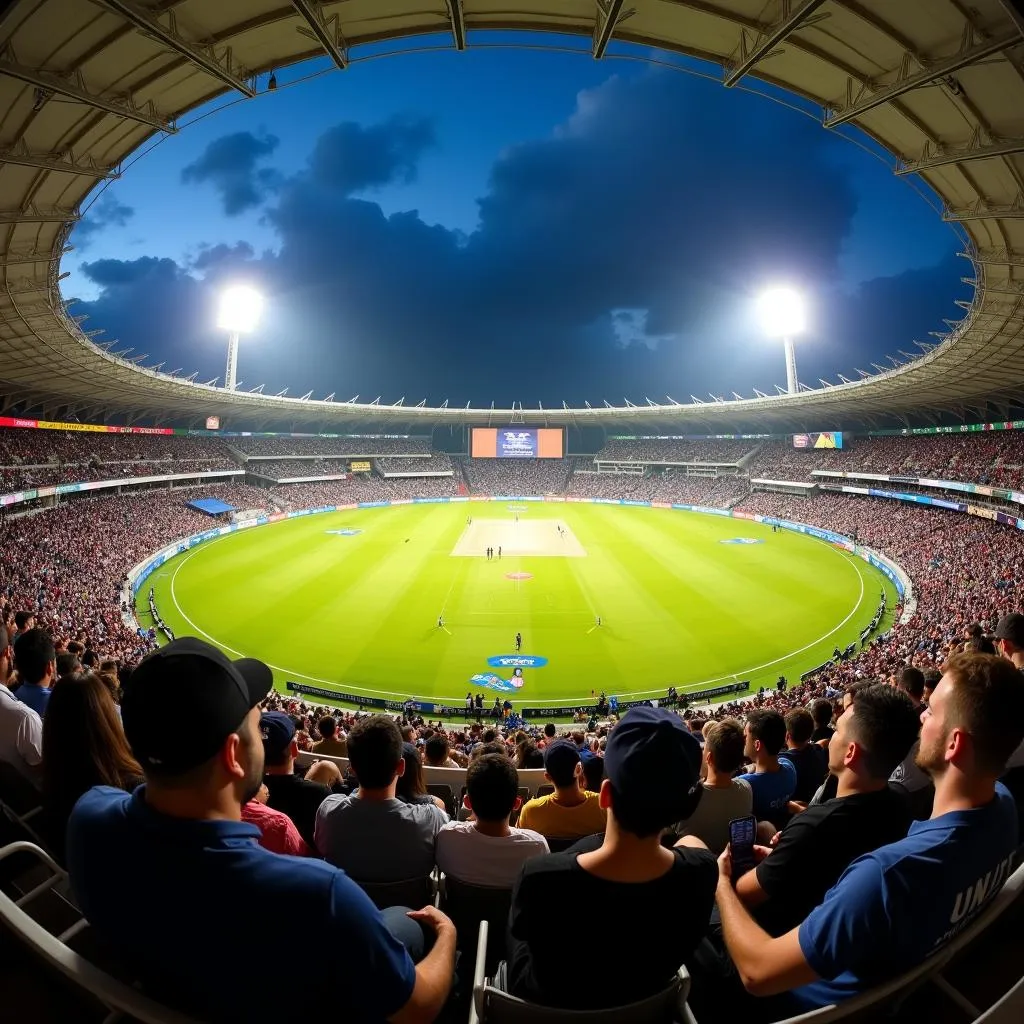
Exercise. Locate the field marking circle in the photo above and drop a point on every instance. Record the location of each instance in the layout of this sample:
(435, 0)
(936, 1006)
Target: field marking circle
(632, 694)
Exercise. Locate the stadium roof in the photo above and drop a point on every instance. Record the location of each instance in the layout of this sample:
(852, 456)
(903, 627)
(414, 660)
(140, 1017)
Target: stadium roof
(83, 83)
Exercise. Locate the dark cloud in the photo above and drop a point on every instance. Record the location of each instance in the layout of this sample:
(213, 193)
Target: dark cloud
(222, 256)
(230, 165)
(351, 158)
(619, 257)
(106, 212)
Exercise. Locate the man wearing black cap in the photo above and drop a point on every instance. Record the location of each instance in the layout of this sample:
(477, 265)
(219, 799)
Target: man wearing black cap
(1009, 637)
(652, 766)
(179, 887)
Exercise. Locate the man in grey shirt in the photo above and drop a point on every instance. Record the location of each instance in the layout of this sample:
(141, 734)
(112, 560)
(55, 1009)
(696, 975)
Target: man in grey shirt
(371, 835)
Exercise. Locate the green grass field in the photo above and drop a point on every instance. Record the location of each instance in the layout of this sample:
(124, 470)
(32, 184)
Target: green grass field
(678, 606)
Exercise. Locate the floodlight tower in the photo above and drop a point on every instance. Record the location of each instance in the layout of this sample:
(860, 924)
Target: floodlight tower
(240, 309)
(782, 316)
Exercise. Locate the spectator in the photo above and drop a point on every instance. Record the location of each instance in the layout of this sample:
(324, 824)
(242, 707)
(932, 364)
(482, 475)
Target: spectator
(437, 752)
(772, 781)
(821, 712)
(487, 850)
(21, 728)
(938, 878)
(411, 788)
(911, 682)
(36, 662)
(183, 828)
(809, 760)
(571, 811)
(1009, 638)
(330, 744)
(277, 831)
(299, 798)
(67, 665)
(652, 765)
(371, 834)
(83, 746)
(723, 798)
(814, 849)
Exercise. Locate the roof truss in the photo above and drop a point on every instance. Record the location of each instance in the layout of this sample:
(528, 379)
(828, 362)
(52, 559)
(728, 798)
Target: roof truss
(326, 31)
(203, 56)
(764, 44)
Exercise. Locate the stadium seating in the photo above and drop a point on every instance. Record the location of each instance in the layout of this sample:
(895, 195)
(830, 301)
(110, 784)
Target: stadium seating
(491, 1005)
(119, 997)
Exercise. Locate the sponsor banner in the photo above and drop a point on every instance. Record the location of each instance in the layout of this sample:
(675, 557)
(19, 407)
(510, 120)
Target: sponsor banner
(630, 501)
(984, 513)
(711, 511)
(346, 508)
(967, 428)
(714, 691)
(661, 504)
(743, 515)
(461, 497)
(377, 703)
(683, 508)
(400, 501)
(95, 428)
(360, 467)
(517, 661)
(427, 501)
(374, 504)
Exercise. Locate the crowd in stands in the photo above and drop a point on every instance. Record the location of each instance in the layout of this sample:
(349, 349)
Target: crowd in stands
(35, 447)
(437, 462)
(336, 447)
(661, 451)
(17, 478)
(518, 476)
(987, 457)
(65, 565)
(277, 469)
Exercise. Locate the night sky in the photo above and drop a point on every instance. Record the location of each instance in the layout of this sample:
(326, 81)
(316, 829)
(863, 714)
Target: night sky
(510, 225)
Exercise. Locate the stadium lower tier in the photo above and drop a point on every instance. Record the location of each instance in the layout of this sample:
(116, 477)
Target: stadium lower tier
(67, 564)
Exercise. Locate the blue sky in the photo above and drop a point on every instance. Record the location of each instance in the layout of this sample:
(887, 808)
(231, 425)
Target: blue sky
(509, 224)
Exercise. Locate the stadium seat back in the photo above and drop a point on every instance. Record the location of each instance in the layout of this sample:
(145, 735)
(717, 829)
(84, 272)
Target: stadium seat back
(558, 844)
(493, 1006)
(444, 793)
(410, 892)
(467, 905)
(121, 999)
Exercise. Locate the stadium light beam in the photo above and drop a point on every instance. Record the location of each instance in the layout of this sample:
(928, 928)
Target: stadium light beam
(240, 309)
(783, 316)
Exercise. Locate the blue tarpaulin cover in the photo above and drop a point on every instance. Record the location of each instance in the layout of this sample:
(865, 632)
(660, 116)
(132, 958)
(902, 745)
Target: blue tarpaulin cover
(211, 506)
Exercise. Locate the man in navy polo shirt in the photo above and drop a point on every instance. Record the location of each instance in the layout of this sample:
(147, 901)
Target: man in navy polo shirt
(179, 886)
(895, 907)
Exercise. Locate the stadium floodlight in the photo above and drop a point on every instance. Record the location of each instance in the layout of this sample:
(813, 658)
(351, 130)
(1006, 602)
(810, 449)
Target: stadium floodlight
(240, 309)
(783, 316)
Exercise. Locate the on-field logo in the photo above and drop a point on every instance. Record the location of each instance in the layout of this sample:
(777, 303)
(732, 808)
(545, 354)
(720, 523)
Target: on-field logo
(517, 661)
(343, 533)
(495, 682)
(742, 540)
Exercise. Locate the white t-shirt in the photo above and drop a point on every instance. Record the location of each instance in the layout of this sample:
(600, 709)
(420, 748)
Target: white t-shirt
(21, 735)
(470, 856)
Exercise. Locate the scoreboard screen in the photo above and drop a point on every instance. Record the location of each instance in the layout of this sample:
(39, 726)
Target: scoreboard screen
(517, 443)
(824, 439)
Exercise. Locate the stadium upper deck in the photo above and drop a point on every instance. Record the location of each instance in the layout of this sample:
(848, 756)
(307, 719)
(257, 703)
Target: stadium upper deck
(82, 85)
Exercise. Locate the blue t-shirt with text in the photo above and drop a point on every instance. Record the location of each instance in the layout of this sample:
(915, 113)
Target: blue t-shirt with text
(893, 908)
(204, 914)
(772, 790)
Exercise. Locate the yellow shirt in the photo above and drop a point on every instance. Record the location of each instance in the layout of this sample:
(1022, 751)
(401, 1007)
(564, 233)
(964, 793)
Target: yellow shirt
(550, 818)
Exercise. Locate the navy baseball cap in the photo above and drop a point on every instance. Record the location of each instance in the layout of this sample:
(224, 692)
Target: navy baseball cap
(183, 701)
(652, 759)
(278, 731)
(561, 758)
(1011, 627)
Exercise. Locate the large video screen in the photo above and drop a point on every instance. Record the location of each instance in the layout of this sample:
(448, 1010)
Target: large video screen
(516, 443)
(824, 439)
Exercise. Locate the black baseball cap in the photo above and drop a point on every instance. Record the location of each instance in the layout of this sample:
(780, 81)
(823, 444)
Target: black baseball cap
(1011, 627)
(185, 699)
(653, 760)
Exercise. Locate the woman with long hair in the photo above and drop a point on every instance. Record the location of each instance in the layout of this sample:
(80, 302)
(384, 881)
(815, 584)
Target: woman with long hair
(411, 788)
(83, 746)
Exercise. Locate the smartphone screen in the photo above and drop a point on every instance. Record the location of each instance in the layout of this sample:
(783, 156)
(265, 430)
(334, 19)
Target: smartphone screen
(742, 832)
